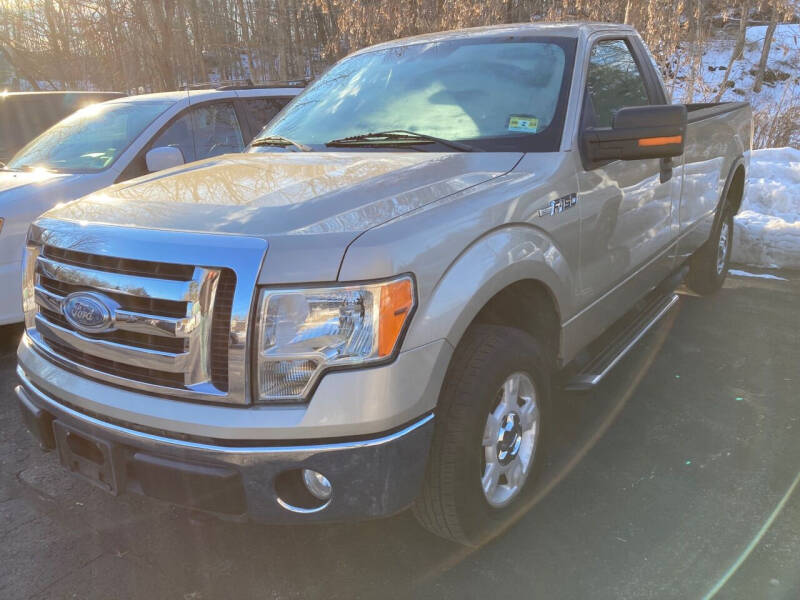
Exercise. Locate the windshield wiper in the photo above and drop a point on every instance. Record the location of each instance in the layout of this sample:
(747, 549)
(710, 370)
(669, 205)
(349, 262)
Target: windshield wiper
(398, 136)
(279, 140)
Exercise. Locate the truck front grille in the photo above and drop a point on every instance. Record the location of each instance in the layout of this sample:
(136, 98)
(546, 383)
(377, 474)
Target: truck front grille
(170, 323)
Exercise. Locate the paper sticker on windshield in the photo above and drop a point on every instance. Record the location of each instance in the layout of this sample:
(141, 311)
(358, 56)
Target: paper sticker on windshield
(525, 123)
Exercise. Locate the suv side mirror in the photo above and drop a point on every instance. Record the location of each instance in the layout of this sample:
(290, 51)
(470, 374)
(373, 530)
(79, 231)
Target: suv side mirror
(163, 158)
(638, 132)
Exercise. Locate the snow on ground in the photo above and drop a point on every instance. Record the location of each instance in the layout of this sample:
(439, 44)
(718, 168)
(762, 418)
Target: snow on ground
(740, 273)
(767, 228)
(780, 93)
(767, 231)
(783, 60)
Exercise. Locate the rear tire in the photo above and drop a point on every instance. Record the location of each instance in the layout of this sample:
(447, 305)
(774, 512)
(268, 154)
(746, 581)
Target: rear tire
(490, 441)
(708, 267)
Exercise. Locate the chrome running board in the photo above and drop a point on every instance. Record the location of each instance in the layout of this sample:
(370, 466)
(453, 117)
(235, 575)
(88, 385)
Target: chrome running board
(599, 366)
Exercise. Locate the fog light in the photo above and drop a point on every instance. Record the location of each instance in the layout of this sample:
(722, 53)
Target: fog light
(317, 484)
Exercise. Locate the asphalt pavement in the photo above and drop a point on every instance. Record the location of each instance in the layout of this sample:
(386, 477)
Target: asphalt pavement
(678, 478)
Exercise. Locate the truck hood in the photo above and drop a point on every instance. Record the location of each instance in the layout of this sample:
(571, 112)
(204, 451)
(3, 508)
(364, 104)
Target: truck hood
(287, 194)
(308, 206)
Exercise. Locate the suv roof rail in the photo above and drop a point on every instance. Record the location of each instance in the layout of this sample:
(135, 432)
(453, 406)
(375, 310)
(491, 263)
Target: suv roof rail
(247, 84)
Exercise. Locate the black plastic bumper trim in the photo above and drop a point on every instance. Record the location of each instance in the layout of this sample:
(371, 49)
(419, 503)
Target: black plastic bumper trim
(211, 488)
(39, 422)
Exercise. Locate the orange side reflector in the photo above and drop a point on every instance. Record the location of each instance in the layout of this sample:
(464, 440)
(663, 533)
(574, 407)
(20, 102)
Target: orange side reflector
(661, 141)
(397, 299)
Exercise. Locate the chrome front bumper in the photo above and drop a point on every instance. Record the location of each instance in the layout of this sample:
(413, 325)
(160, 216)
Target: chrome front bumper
(372, 477)
(359, 403)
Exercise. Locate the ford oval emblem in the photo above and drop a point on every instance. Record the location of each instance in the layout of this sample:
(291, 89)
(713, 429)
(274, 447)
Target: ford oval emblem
(89, 312)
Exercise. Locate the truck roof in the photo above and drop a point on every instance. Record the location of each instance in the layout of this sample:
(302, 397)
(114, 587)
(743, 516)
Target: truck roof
(568, 29)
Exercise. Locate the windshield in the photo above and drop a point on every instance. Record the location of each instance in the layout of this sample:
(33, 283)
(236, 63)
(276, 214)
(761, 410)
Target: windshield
(89, 140)
(498, 94)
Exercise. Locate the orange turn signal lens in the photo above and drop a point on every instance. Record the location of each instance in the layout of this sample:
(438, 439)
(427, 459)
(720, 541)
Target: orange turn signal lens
(397, 300)
(661, 141)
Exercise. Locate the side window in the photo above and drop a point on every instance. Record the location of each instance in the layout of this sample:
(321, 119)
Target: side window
(203, 132)
(178, 135)
(613, 81)
(216, 130)
(261, 110)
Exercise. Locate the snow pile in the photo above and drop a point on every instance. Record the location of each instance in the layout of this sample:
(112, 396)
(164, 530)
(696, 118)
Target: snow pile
(767, 228)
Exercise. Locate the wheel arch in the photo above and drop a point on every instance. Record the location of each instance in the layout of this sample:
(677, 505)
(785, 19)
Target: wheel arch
(514, 276)
(528, 305)
(733, 191)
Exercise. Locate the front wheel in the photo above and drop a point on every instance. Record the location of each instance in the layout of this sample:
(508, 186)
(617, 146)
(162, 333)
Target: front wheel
(709, 265)
(490, 439)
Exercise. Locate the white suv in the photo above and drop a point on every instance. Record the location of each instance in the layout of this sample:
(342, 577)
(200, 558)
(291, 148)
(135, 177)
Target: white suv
(115, 141)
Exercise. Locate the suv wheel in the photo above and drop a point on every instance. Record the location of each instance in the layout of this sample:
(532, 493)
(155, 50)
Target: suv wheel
(489, 444)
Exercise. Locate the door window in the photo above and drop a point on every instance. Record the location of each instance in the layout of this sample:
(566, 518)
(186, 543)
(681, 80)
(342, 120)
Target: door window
(261, 110)
(613, 81)
(204, 131)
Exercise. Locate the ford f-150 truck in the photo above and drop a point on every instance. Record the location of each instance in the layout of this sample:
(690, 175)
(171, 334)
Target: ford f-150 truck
(371, 308)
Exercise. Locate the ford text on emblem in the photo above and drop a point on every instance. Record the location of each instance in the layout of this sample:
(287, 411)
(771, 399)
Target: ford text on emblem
(89, 312)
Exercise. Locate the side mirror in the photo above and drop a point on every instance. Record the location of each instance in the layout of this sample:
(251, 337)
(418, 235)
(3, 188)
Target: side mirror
(163, 158)
(638, 132)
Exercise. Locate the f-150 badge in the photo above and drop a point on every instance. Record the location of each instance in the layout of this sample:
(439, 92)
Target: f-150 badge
(559, 205)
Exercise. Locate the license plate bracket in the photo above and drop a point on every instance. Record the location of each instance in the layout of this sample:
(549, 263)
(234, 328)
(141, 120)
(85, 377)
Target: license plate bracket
(87, 456)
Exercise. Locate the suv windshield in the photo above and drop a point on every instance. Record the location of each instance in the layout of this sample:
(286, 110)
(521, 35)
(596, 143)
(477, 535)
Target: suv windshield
(501, 95)
(89, 140)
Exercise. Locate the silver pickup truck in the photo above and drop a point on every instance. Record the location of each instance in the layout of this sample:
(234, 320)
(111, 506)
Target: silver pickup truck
(372, 308)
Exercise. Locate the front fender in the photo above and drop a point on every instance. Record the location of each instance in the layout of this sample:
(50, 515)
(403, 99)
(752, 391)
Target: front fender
(496, 260)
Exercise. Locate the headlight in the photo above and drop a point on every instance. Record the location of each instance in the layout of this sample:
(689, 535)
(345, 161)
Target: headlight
(303, 332)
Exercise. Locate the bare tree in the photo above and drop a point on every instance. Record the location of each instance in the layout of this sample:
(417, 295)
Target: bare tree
(762, 63)
(738, 48)
(160, 44)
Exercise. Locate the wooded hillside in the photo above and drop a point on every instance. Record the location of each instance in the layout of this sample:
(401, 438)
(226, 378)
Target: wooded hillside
(151, 45)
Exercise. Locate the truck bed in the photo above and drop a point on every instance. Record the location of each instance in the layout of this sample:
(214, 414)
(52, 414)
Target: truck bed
(705, 110)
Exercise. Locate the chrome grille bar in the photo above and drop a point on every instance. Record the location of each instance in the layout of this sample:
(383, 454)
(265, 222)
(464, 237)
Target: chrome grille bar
(132, 285)
(48, 299)
(127, 320)
(137, 357)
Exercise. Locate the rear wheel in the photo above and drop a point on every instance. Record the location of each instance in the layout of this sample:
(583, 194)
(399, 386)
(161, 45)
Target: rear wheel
(709, 265)
(489, 443)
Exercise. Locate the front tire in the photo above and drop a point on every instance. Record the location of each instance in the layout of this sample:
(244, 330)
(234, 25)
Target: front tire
(489, 445)
(708, 267)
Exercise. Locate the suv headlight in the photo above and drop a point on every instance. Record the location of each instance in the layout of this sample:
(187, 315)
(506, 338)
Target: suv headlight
(304, 332)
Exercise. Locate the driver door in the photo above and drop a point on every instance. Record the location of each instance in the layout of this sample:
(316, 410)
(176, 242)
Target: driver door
(625, 209)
